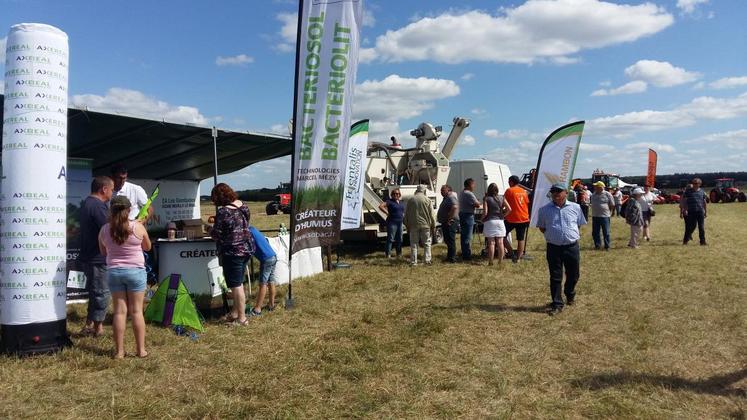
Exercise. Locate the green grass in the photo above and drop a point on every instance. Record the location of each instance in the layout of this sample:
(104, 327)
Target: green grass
(319, 197)
(658, 332)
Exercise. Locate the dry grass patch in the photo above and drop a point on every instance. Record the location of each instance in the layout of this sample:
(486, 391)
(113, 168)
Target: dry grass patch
(660, 332)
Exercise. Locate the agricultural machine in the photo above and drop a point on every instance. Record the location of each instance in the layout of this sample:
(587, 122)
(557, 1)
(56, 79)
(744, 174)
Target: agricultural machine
(281, 202)
(394, 167)
(726, 192)
(611, 180)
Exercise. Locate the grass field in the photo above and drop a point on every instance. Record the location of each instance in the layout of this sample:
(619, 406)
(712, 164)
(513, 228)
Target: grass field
(659, 332)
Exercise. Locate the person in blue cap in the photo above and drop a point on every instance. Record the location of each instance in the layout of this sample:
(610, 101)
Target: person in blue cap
(559, 221)
(267, 261)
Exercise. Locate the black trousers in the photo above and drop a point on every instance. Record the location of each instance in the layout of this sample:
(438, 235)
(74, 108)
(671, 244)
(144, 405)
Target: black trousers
(558, 258)
(692, 219)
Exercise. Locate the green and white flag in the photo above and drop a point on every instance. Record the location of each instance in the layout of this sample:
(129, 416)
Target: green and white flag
(355, 174)
(326, 68)
(556, 162)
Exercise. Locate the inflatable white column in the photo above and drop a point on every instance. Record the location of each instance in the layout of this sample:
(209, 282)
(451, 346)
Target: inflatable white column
(32, 224)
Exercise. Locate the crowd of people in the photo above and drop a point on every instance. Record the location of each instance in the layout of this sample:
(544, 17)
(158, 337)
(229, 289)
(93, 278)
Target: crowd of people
(112, 256)
(559, 221)
(113, 239)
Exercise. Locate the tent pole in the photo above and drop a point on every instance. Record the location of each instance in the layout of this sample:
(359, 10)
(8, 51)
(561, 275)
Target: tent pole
(215, 156)
(289, 299)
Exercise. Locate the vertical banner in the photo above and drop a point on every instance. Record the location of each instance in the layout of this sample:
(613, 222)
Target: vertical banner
(33, 228)
(355, 174)
(651, 175)
(556, 162)
(326, 69)
(79, 174)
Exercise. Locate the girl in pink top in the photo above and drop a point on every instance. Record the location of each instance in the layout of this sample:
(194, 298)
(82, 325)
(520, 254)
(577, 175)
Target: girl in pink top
(122, 242)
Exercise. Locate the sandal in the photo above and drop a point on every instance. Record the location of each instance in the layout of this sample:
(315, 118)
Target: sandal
(228, 319)
(243, 323)
(271, 308)
(254, 312)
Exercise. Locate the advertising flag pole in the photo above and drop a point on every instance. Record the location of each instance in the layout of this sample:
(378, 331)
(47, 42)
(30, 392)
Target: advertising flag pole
(289, 303)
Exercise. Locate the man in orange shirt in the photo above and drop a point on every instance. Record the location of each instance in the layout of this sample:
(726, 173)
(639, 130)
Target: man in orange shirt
(516, 197)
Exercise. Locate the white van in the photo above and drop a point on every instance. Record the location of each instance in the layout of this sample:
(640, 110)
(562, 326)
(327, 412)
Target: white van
(484, 172)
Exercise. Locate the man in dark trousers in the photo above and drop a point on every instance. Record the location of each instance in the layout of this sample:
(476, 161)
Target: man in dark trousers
(693, 209)
(94, 213)
(448, 217)
(559, 221)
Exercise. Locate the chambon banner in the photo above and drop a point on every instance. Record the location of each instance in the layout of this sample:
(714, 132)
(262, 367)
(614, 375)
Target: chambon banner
(556, 162)
(355, 174)
(327, 60)
(32, 225)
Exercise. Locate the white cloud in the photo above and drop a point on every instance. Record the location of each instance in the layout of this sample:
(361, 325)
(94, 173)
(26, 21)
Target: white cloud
(636, 86)
(729, 82)
(512, 134)
(688, 6)
(135, 103)
(536, 31)
(734, 140)
(593, 147)
(659, 147)
(478, 111)
(288, 31)
(701, 108)
(236, 60)
(366, 55)
(605, 83)
(468, 140)
(467, 76)
(393, 99)
(368, 18)
(660, 73)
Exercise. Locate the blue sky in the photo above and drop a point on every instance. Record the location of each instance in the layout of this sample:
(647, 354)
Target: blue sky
(667, 74)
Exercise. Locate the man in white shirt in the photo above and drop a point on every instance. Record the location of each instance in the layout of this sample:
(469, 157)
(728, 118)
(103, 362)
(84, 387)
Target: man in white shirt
(135, 193)
(646, 201)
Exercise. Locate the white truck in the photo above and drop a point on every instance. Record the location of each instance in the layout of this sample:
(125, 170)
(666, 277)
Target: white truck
(484, 172)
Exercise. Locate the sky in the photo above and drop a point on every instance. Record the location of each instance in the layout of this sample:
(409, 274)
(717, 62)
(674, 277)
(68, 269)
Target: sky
(665, 74)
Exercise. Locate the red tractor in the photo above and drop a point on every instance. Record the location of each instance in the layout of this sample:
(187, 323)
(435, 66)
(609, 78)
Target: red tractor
(726, 192)
(281, 202)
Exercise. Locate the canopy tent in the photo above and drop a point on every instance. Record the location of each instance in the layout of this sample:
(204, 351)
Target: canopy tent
(164, 150)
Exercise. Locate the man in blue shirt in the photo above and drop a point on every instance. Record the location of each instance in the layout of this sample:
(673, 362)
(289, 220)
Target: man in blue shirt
(559, 221)
(267, 261)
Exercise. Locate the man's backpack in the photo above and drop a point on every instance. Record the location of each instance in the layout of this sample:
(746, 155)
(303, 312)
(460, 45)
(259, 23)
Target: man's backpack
(624, 207)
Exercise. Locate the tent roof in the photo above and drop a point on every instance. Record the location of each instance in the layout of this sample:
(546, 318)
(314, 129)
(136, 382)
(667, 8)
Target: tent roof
(164, 150)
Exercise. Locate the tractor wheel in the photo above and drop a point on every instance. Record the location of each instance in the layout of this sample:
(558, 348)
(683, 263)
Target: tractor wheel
(714, 196)
(729, 198)
(742, 197)
(286, 210)
(271, 208)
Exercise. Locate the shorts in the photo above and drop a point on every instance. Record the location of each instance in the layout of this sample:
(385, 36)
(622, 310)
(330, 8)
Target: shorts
(126, 279)
(494, 229)
(234, 268)
(646, 217)
(266, 269)
(521, 230)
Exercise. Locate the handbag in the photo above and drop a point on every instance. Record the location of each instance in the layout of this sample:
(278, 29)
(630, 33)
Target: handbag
(652, 211)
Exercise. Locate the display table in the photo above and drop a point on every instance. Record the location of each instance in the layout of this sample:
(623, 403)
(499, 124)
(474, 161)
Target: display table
(197, 262)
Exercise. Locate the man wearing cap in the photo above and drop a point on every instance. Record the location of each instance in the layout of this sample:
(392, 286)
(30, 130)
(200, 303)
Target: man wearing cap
(420, 222)
(602, 204)
(559, 221)
(135, 193)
